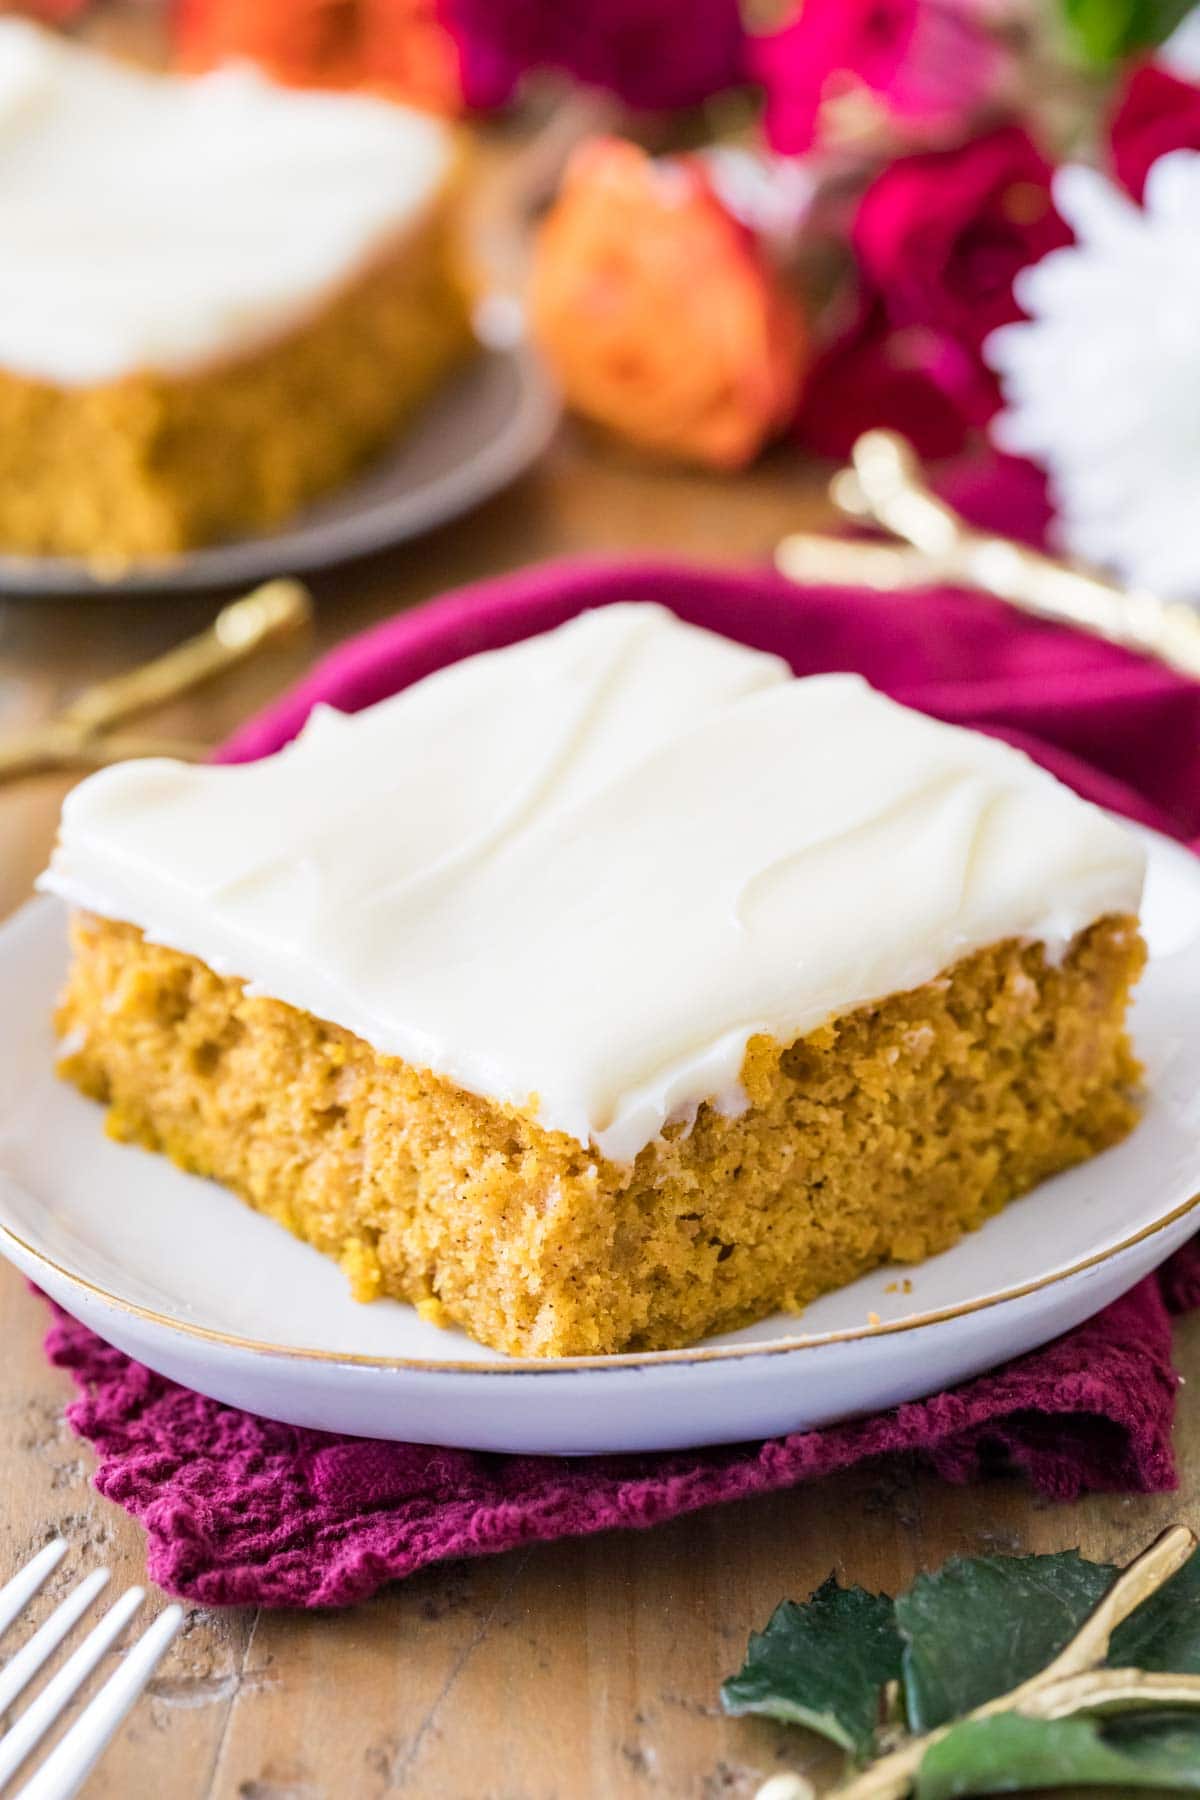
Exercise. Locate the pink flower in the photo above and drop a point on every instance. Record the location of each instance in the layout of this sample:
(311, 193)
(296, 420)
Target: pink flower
(941, 236)
(651, 53)
(931, 63)
(911, 378)
(1156, 112)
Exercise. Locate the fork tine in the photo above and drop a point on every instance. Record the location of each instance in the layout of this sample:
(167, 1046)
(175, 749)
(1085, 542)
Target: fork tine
(20, 1669)
(74, 1756)
(15, 1594)
(58, 1692)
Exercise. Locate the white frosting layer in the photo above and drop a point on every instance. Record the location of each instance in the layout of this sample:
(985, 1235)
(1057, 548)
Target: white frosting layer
(153, 222)
(590, 867)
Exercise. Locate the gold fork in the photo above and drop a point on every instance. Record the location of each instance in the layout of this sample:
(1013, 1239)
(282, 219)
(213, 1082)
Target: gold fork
(81, 735)
(885, 486)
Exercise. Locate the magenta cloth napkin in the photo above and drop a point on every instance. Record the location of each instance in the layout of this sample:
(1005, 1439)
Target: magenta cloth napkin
(238, 1509)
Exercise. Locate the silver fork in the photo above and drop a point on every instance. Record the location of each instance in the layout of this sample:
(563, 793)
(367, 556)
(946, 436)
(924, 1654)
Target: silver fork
(75, 1755)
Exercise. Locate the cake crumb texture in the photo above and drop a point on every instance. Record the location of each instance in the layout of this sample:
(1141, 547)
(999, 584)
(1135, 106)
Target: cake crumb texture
(881, 1137)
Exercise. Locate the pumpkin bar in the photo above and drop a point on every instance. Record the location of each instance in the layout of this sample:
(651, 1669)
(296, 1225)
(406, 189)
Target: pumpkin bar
(611, 989)
(218, 297)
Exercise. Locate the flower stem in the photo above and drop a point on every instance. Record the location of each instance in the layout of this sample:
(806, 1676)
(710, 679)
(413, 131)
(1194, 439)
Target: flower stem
(1070, 1678)
(1104, 1691)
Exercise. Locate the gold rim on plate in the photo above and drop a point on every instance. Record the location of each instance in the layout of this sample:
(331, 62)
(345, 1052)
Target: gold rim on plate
(623, 1360)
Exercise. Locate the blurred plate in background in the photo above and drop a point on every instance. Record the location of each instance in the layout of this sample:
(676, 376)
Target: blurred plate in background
(482, 430)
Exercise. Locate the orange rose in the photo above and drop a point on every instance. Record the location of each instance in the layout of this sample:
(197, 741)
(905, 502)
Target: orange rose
(659, 312)
(399, 48)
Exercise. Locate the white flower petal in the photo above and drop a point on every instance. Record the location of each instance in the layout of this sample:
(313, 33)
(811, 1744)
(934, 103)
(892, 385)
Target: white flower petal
(1181, 52)
(1094, 209)
(1171, 186)
(1102, 383)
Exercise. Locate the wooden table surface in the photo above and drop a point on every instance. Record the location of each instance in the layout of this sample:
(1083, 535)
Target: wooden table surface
(572, 1670)
(575, 1669)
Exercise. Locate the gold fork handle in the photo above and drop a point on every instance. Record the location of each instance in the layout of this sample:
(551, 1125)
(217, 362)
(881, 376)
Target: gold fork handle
(275, 610)
(813, 557)
(887, 485)
(40, 752)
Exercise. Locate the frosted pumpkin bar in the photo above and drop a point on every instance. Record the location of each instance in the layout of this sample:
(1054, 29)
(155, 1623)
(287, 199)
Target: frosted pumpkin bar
(610, 989)
(217, 296)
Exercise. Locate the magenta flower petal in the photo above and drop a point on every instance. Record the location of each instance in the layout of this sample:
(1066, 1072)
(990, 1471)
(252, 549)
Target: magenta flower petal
(929, 62)
(1156, 112)
(942, 235)
(912, 379)
(650, 53)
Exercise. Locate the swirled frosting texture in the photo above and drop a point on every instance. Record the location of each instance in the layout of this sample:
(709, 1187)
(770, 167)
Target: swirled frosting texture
(579, 874)
(153, 222)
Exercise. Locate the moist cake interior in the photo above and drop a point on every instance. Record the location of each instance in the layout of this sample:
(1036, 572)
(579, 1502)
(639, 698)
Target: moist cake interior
(881, 1137)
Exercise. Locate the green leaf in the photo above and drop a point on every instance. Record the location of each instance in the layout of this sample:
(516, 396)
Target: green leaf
(1107, 30)
(982, 1625)
(1164, 1633)
(1008, 1754)
(822, 1664)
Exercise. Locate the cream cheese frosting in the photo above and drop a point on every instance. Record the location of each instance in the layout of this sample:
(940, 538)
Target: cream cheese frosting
(579, 874)
(157, 222)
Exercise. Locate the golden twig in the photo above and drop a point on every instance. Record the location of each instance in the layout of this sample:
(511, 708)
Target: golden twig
(1112, 1691)
(1144, 1576)
(1070, 1680)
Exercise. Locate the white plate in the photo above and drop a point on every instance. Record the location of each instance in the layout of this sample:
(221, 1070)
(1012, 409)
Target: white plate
(183, 1276)
(478, 433)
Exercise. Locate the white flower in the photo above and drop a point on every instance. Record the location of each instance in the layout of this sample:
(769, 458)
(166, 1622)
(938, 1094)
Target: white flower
(1102, 384)
(1181, 52)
